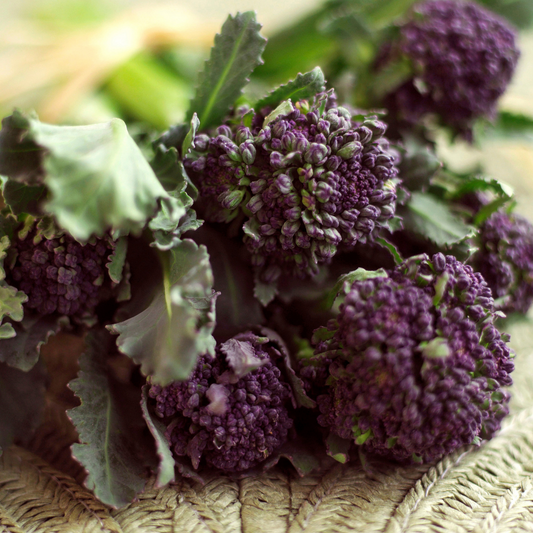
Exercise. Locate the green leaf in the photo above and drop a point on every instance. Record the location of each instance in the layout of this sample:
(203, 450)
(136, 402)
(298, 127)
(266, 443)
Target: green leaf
(236, 306)
(509, 124)
(23, 198)
(237, 51)
(21, 159)
(110, 425)
(283, 109)
(304, 86)
(169, 335)
(338, 448)
(11, 301)
(264, 292)
(172, 220)
(433, 219)
(419, 164)
(115, 267)
(97, 176)
(22, 351)
(21, 403)
(165, 471)
(188, 142)
(345, 281)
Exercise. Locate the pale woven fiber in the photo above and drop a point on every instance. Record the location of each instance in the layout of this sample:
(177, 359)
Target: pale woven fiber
(478, 490)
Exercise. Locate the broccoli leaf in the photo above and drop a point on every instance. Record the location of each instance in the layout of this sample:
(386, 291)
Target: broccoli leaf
(110, 425)
(343, 284)
(21, 403)
(11, 301)
(23, 198)
(264, 292)
(338, 448)
(97, 175)
(432, 218)
(237, 309)
(418, 165)
(22, 349)
(165, 471)
(21, 158)
(172, 220)
(237, 51)
(188, 142)
(302, 87)
(115, 267)
(169, 335)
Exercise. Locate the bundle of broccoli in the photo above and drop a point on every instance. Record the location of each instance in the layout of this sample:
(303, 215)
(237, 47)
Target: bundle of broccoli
(345, 290)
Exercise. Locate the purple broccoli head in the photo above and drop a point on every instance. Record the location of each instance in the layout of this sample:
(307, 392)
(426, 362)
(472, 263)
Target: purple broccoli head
(418, 367)
(302, 181)
(233, 410)
(59, 275)
(463, 57)
(505, 259)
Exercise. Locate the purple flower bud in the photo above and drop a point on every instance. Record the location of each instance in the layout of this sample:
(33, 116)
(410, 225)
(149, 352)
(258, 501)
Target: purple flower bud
(316, 154)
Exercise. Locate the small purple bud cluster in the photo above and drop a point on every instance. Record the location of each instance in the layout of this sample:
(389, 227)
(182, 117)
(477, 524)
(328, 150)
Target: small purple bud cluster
(233, 422)
(463, 57)
(58, 275)
(305, 181)
(505, 259)
(419, 365)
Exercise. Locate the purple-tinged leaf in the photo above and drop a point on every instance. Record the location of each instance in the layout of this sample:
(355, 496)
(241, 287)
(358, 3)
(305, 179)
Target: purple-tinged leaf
(165, 470)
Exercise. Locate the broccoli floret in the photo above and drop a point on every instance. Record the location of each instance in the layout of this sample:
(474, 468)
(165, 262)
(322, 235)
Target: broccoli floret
(307, 181)
(505, 259)
(463, 57)
(418, 367)
(59, 275)
(233, 411)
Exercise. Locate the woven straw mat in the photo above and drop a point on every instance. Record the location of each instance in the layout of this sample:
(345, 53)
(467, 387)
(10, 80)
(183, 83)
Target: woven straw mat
(486, 489)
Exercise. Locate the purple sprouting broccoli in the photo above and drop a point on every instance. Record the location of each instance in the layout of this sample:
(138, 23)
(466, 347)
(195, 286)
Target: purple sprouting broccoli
(234, 410)
(505, 259)
(462, 58)
(59, 275)
(416, 366)
(301, 181)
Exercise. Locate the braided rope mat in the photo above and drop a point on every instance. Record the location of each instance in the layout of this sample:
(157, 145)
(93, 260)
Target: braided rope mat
(478, 490)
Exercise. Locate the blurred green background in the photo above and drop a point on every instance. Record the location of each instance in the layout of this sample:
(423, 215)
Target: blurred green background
(74, 61)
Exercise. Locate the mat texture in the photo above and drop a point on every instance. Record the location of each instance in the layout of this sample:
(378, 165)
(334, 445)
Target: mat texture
(487, 489)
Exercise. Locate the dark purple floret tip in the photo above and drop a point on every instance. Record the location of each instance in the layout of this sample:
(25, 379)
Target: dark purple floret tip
(420, 367)
(233, 422)
(303, 182)
(463, 57)
(59, 275)
(505, 259)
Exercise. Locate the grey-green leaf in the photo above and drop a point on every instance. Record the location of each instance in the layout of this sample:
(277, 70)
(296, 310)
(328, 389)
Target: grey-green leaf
(236, 53)
(304, 86)
(109, 423)
(169, 335)
(97, 177)
(165, 470)
(433, 219)
(22, 351)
